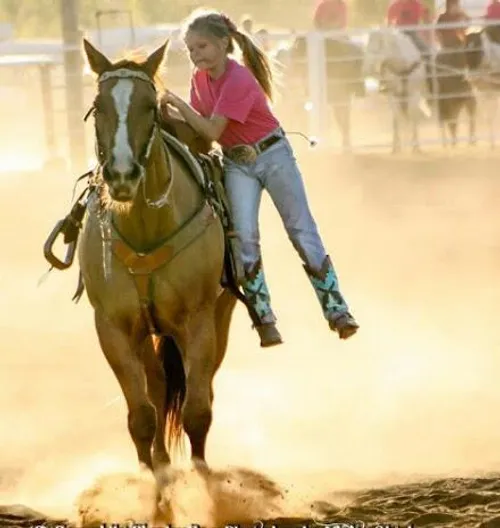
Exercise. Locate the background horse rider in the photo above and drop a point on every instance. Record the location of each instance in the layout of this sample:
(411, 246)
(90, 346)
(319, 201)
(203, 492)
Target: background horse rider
(452, 39)
(344, 63)
(406, 13)
(451, 63)
(329, 15)
(493, 15)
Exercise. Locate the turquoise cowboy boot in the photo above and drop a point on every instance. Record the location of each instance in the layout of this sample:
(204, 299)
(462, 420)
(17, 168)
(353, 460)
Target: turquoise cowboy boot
(258, 299)
(335, 309)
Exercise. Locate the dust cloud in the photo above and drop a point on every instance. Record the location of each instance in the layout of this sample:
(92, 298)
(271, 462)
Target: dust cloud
(415, 243)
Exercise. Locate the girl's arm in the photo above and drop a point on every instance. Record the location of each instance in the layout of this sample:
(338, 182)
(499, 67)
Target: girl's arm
(212, 127)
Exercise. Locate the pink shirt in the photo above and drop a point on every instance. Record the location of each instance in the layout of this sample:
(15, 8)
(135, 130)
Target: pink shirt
(237, 96)
(493, 11)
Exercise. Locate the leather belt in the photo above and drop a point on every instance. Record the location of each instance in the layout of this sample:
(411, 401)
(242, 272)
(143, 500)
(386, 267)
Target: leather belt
(249, 153)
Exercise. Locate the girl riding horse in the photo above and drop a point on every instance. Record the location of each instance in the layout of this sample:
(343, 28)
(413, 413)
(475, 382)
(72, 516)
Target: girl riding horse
(229, 104)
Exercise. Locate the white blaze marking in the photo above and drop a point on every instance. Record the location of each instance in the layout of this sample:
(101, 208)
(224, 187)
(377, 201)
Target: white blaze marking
(122, 151)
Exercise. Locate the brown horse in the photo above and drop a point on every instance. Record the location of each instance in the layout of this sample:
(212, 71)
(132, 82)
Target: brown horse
(455, 93)
(151, 257)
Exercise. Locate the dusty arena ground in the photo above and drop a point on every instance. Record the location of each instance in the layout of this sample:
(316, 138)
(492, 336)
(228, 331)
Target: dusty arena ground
(415, 395)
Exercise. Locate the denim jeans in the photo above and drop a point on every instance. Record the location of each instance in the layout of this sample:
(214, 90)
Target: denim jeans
(276, 171)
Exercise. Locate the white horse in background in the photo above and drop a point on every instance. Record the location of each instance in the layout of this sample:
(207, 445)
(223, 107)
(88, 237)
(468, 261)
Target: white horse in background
(392, 57)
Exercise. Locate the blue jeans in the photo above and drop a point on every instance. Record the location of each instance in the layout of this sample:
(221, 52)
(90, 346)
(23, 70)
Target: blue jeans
(276, 171)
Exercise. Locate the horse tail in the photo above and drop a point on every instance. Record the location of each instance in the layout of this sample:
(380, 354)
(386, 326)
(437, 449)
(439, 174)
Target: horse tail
(175, 392)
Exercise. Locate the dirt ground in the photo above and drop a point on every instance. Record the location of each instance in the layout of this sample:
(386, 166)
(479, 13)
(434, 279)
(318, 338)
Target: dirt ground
(415, 240)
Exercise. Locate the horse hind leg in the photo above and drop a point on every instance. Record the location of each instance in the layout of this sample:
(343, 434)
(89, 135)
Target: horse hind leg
(223, 315)
(200, 365)
(124, 359)
(415, 117)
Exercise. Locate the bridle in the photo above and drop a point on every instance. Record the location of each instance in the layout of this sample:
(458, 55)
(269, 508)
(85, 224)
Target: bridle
(126, 73)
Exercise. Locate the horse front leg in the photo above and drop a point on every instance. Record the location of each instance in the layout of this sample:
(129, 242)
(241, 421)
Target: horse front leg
(342, 114)
(157, 390)
(415, 120)
(396, 130)
(453, 128)
(122, 353)
(491, 101)
(472, 112)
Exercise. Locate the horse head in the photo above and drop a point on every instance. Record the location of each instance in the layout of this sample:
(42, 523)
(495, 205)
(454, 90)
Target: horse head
(376, 52)
(474, 51)
(126, 118)
(387, 45)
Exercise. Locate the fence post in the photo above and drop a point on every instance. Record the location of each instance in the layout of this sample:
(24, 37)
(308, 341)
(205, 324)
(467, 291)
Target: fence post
(48, 110)
(318, 114)
(73, 69)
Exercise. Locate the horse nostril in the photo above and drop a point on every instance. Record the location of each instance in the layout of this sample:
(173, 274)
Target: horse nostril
(135, 172)
(106, 173)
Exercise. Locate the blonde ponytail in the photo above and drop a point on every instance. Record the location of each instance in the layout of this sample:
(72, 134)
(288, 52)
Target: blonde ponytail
(256, 61)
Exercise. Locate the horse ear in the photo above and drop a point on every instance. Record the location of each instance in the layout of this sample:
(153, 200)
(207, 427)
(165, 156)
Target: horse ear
(154, 61)
(97, 61)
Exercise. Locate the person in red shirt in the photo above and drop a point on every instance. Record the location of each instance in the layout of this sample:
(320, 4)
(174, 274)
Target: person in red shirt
(493, 14)
(454, 37)
(493, 10)
(403, 13)
(330, 15)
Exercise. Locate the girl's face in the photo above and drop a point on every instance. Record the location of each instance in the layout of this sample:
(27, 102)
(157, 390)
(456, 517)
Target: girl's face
(206, 52)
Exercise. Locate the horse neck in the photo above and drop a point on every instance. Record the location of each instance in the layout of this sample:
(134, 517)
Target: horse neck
(145, 227)
(491, 52)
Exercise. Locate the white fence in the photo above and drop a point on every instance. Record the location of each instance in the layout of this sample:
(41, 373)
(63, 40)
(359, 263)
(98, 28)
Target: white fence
(375, 104)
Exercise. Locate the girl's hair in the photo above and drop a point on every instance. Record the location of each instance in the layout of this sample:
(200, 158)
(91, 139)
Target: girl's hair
(218, 25)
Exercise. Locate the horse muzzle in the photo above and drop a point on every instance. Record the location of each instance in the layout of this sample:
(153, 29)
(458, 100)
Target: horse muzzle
(122, 184)
(122, 193)
(114, 172)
